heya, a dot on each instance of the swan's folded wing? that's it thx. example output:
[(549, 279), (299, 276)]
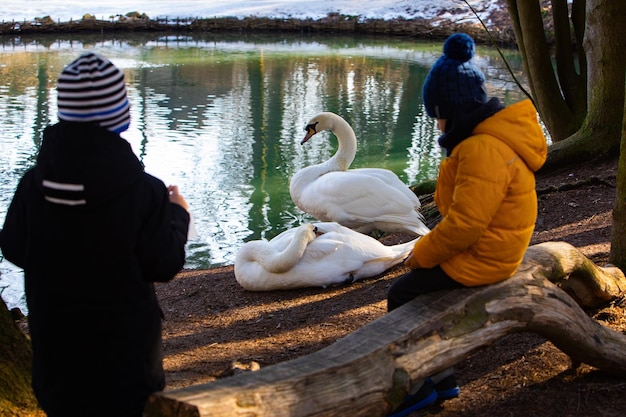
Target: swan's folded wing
[(367, 198), (392, 180), (351, 251)]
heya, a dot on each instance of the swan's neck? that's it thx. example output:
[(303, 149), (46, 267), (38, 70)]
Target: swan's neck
[(340, 161), (278, 262), (347, 145)]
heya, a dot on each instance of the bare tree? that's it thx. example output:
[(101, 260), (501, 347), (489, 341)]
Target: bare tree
[(578, 86)]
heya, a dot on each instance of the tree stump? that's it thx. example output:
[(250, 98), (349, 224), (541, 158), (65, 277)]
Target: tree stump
[(370, 371)]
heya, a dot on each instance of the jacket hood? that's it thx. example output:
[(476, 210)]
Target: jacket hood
[(516, 125), (81, 164)]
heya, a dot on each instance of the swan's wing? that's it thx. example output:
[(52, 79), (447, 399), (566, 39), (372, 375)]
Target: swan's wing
[(348, 256), (371, 248), (392, 180), (348, 248), (335, 261), (354, 197)]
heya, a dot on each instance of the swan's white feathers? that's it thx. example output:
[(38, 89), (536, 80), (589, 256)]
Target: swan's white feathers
[(279, 255), (336, 256), (363, 199), (387, 204), (392, 180)]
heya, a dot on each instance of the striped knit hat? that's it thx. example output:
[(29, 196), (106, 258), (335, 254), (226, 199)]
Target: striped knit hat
[(92, 89)]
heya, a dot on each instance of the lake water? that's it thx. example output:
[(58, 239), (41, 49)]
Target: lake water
[(222, 117)]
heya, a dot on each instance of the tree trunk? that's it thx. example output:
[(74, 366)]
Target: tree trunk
[(581, 104), (16, 395), (605, 51), (370, 371), (560, 100), (618, 232)]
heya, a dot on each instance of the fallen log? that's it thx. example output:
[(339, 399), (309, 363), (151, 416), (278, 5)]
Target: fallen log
[(369, 372)]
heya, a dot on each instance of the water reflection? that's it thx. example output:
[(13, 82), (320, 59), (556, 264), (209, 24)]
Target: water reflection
[(222, 117)]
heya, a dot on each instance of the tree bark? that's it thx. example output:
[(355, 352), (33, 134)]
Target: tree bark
[(618, 232), (370, 371)]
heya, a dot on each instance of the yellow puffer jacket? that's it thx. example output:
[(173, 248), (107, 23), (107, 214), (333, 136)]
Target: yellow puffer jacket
[(486, 196)]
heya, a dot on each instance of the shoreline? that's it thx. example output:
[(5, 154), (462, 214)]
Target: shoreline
[(335, 24)]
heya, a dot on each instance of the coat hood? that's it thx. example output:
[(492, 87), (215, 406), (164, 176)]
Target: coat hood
[(81, 164), (516, 125)]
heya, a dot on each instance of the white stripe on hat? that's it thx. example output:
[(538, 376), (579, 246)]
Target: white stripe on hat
[(92, 89)]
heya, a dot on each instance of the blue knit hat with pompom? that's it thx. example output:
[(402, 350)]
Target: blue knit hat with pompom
[(454, 84)]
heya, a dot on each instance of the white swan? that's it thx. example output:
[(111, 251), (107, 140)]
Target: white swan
[(364, 199), (314, 255)]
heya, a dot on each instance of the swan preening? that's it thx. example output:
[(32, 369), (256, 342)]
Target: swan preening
[(364, 199), (314, 255)]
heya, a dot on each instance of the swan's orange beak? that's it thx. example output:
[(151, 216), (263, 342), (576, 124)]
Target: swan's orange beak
[(310, 131)]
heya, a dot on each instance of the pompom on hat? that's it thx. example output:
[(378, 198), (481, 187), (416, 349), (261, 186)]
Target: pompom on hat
[(92, 89), (454, 84)]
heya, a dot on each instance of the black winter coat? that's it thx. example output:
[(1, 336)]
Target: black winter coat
[(92, 232)]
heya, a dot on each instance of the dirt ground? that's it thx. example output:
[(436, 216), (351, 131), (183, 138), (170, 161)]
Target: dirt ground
[(214, 328)]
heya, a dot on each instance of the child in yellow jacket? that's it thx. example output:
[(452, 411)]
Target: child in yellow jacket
[(485, 193)]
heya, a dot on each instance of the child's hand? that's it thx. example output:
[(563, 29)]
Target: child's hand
[(176, 198), (411, 262)]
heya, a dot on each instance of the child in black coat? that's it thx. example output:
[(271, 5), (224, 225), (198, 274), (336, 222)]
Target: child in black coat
[(92, 232)]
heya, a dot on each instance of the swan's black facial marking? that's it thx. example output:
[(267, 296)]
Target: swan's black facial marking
[(310, 129)]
